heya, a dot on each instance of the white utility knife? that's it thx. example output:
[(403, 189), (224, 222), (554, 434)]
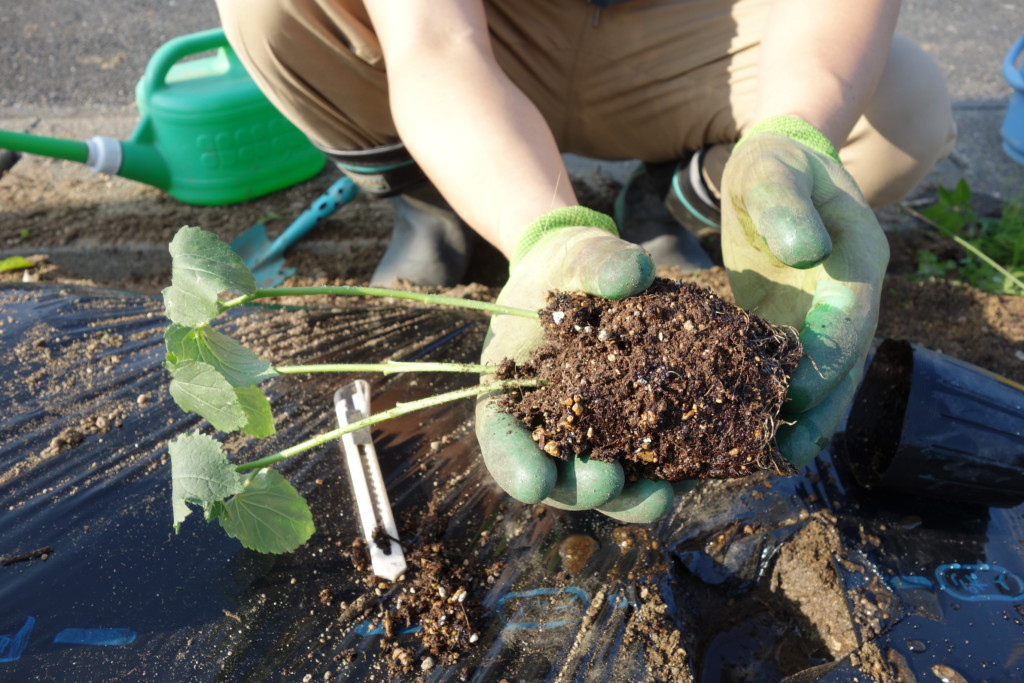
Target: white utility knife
[(352, 403)]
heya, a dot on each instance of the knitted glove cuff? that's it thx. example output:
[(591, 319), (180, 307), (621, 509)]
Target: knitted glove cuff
[(795, 129), (565, 217)]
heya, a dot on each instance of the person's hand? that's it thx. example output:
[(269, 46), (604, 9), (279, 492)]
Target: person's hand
[(803, 248), (560, 252)]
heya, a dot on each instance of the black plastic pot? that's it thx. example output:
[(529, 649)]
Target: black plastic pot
[(928, 424)]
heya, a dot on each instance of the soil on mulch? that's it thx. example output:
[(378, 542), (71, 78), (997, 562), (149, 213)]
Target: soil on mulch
[(676, 383), (440, 595), (812, 605)]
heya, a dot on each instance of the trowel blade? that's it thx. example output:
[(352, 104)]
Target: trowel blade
[(271, 273), (253, 245)]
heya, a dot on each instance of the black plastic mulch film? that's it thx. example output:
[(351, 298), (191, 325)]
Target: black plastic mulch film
[(94, 585)]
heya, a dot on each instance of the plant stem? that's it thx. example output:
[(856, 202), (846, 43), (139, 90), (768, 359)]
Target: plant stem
[(389, 368), (399, 410), (968, 246), (351, 290)]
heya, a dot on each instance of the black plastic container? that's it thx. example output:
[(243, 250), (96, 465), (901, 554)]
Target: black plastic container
[(928, 424)]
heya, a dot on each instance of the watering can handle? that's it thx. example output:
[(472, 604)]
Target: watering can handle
[(1014, 75), (174, 51)]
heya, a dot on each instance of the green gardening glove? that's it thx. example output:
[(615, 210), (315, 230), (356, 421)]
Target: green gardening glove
[(572, 249), (803, 248)]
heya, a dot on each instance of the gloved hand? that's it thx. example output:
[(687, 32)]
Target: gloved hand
[(803, 248), (559, 251)]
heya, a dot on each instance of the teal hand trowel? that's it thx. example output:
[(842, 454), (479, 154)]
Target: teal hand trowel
[(265, 258)]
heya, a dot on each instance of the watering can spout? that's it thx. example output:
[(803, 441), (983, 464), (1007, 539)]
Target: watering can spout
[(141, 162), (58, 148)]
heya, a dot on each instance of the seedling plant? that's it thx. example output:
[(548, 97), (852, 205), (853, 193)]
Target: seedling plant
[(218, 378), (674, 383)]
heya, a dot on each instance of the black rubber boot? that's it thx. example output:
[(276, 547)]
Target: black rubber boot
[(643, 219), (429, 243), (690, 197)]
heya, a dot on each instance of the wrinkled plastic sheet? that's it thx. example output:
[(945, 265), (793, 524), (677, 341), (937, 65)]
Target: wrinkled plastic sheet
[(96, 586)]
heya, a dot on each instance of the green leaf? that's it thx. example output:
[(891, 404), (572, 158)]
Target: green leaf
[(257, 411), (214, 510), (200, 474), (179, 340), (961, 194), (15, 263), (236, 363), (269, 515), (201, 388), (186, 307), (198, 388), (202, 267)]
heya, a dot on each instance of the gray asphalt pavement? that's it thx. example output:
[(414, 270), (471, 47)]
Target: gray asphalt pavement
[(68, 58), (86, 55)]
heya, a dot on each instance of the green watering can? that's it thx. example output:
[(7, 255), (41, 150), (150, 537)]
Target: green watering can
[(207, 135)]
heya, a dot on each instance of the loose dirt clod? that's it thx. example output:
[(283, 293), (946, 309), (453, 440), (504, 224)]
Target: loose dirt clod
[(676, 383)]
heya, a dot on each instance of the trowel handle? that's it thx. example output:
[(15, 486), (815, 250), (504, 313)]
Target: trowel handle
[(336, 196), (173, 51), (1013, 74)]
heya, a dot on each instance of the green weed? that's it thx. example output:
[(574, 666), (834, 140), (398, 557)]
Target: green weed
[(994, 261)]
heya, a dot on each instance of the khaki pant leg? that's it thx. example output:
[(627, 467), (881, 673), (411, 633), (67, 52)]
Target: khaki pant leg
[(643, 80), (653, 80), (906, 129), (319, 63), (647, 79)]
